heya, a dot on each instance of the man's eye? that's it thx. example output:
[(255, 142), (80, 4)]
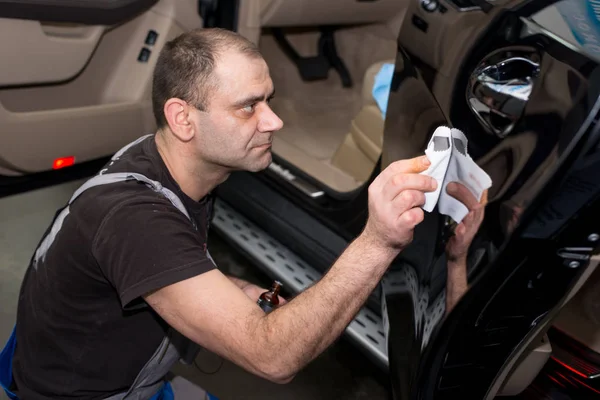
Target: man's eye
[(249, 108)]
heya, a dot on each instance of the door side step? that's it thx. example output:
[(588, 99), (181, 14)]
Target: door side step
[(366, 330)]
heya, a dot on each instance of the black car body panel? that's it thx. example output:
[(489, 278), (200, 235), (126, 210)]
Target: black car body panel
[(542, 205)]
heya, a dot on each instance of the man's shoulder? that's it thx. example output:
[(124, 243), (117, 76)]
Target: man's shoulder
[(132, 197)]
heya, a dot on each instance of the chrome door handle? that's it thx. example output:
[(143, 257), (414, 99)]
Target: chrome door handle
[(499, 89)]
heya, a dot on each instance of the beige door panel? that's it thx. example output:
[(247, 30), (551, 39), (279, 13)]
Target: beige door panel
[(184, 12), (104, 107), (253, 15), (528, 369), (249, 18), (62, 49), (329, 12), (580, 318)]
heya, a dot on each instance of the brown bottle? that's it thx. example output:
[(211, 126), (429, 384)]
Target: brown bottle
[(269, 300)]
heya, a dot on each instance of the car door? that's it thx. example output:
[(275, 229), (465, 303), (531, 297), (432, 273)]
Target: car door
[(521, 81), (76, 77)]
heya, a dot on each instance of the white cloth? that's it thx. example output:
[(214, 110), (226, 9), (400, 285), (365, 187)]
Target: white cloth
[(450, 162)]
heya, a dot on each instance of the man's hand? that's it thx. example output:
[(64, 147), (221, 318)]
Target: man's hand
[(395, 200), (251, 290), (458, 245), (254, 293)]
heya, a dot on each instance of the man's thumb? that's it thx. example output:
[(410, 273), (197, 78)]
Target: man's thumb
[(416, 164)]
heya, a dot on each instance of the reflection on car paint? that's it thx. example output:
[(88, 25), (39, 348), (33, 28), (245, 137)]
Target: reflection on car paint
[(535, 118)]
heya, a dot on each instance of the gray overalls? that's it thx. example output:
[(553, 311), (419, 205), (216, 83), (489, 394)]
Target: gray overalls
[(174, 346)]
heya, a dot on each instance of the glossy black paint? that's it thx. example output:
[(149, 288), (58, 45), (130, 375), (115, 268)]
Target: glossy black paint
[(518, 293), (543, 199)]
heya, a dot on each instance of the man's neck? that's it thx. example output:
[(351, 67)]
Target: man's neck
[(195, 177)]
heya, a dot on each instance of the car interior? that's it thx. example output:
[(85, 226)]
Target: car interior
[(323, 58), (75, 85)]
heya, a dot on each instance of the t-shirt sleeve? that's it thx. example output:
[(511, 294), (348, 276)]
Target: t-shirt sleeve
[(145, 245)]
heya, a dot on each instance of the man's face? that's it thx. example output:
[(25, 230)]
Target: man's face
[(236, 131)]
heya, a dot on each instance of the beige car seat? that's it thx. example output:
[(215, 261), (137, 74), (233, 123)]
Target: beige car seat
[(360, 150)]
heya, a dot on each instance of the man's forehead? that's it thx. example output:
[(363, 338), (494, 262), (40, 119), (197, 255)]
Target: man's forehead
[(238, 73)]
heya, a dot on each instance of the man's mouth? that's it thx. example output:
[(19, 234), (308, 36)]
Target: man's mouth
[(265, 145)]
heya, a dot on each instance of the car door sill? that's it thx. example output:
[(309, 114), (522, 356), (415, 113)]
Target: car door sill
[(366, 330), (301, 184)]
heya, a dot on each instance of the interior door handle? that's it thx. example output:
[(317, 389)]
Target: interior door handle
[(499, 89)]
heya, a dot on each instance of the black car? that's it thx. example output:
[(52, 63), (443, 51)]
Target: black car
[(360, 84)]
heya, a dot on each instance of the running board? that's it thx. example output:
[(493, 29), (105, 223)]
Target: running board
[(366, 330)]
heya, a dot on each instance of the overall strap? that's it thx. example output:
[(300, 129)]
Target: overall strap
[(174, 346), (99, 180), (102, 179)]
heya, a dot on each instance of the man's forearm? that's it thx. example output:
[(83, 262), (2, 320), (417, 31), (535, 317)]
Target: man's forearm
[(456, 283), (296, 333)]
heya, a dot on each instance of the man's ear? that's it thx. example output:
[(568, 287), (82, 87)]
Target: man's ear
[(177, 114)]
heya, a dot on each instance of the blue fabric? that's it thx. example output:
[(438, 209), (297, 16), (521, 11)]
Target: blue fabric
[(381, 86), (6, 357), (210, 397), (165, 393)]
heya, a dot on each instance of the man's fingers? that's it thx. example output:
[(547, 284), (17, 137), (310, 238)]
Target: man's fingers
[(484, 197), (462, 194), (408, 199), (402, 182), (411, 218), (414, 165)]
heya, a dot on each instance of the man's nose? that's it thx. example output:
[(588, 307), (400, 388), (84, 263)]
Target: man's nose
[(269, 121)]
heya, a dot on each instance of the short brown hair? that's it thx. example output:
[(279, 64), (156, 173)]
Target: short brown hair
[(185, 65)]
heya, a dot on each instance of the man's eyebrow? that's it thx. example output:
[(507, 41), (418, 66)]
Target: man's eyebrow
[(254, 99)]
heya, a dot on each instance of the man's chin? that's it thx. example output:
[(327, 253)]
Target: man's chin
[(261, 164)]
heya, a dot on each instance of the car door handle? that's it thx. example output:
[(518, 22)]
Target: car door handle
[(499, 89)]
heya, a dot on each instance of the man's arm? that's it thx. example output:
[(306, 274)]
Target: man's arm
[(238, 282), (211, 311)]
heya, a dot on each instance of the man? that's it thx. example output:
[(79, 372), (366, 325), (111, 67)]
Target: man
[(124, 268)]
